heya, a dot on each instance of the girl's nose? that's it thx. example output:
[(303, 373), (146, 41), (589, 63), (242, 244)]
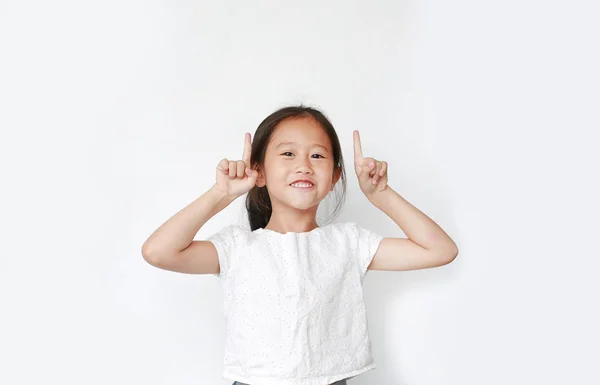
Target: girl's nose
[(303, 166)]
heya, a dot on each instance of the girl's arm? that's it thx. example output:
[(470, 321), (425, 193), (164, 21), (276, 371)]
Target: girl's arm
[(171, 246), (427, 244), (177, 233), (419, 228)]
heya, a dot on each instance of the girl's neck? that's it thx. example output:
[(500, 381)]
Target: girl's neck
[(297, 223)]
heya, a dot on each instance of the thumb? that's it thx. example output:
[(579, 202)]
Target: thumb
[(365, 170), (252, 174)]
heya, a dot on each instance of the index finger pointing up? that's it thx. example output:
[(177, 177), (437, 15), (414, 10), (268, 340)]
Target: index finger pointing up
[(357, 146), (247, 150)]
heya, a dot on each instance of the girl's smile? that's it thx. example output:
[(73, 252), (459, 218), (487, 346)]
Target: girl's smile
[(303, 184)]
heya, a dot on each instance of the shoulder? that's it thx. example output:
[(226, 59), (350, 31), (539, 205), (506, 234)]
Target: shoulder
[(347, 232), (230, 234), (355, 234), (233, 229), (349, 228)]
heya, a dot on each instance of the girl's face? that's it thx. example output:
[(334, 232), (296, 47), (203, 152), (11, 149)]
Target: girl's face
[(299, 150)]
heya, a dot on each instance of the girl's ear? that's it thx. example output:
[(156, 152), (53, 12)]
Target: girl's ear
[(336, 176), (260, 179)]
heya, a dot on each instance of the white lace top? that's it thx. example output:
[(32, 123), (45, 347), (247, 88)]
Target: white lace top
[(294, 303)]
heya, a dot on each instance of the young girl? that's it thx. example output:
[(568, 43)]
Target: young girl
[(293, 289)]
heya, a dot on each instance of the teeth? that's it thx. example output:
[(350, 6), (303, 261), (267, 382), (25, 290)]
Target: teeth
[(301, 184)]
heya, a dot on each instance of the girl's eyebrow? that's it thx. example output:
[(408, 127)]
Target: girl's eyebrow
[(294, 143)]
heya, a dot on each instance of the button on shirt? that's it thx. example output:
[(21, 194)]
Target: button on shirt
[(294, 303)]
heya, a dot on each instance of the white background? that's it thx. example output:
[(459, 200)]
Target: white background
[(114, 115)]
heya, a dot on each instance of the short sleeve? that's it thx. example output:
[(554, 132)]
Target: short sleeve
[(227, 241), (367, 243)]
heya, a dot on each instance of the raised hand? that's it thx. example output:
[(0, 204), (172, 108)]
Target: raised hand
[(235, 177), (371, 173)]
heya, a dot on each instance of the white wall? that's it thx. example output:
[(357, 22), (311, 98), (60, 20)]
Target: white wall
[(114, 115)]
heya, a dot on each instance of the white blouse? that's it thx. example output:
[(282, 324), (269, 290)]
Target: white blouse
[(294, 303)]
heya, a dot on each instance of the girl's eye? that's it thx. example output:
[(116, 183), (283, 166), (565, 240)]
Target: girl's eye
[(319, 155)]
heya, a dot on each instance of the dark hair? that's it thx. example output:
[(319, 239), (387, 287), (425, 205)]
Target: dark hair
[(258, 202)]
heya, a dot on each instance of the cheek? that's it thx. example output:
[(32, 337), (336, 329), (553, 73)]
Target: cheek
[(277, 171), (326, 174)]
